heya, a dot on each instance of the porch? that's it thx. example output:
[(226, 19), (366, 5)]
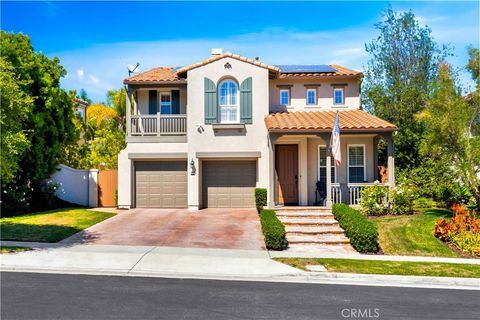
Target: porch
[(302, 171)]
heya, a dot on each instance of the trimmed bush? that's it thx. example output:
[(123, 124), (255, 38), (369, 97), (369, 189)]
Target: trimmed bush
[(273, 231), (362, 233), (260, 198)]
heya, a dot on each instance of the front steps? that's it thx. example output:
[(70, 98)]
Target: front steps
[(312, 227)]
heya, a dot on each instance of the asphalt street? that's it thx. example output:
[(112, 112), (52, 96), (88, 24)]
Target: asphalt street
[(58, 296)]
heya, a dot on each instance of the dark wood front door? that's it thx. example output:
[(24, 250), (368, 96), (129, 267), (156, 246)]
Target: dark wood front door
[(286, 166)]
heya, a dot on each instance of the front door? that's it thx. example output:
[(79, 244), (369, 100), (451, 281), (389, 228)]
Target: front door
[(286, 166)]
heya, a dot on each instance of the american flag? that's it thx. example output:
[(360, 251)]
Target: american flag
[(337, 155)]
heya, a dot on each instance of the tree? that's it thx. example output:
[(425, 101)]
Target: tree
[(402, 65), (84, 96), (106, 146), (117, 100), (99, 114), (14, 104), (448, 132), (48, 126)]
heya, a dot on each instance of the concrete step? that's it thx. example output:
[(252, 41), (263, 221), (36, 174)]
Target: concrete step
[(311, 208), (309, 214), (327, 239), (312, 230), (308, 221)]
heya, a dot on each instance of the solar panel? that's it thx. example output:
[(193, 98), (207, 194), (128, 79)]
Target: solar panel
[(319, 68)]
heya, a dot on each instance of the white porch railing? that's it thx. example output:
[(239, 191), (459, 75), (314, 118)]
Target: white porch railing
[(158, 125), (354, 191)]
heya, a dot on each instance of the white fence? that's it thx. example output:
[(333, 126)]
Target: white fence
[(77, 186)]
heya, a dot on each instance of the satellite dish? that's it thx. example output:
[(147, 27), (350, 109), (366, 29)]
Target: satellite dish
[(133, 69)]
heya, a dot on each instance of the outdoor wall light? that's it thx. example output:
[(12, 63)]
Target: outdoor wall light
[(192, 167)]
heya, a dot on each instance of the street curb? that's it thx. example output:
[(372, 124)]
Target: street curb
[(306, 278)]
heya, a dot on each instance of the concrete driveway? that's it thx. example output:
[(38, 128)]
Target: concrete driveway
[(207, 228)]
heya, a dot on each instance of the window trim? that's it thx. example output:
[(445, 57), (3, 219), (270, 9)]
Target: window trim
[(332, 164), (343, 96), (219, 111), (280, 96), (357, 166), (315, 99), (160, 93)]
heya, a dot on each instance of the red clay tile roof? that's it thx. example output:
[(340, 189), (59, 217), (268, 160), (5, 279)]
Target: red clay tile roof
[(341, 71), (350, 120), (227, 55), (156, 75)]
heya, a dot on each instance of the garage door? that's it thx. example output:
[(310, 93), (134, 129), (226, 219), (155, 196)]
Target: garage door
[(161, 184), (229, 184)]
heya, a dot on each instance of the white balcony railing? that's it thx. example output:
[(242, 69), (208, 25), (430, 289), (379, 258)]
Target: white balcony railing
[(354, 190), (158, 125)]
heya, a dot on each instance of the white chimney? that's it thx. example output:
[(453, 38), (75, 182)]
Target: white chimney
[(217, 51)]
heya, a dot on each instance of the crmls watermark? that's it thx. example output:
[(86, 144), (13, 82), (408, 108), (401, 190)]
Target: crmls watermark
[(360, 313)]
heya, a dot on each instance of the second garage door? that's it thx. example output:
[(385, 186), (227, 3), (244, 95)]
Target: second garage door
[(229, 184), (161, 184)]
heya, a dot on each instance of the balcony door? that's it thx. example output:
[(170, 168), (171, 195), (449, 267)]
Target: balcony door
[(166, 103)]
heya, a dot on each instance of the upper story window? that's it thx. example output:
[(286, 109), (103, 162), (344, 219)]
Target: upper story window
[(228, 102), (339, 96), (284, 97), (311, 96)]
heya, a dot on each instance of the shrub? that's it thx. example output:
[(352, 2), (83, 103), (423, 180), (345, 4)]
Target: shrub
[(273, 231), (422, 203), (374, 200), (260, 198), (362, 233), (463, 230), (401, 199)]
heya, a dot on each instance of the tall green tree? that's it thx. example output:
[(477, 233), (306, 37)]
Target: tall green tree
[(116, 98), (13, 136), (403, 63), (448, 137), (48, 125)]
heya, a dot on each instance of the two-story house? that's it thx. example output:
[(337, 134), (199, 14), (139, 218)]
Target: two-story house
[(205, 135)]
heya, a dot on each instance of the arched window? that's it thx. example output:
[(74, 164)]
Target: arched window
[(228, 101)]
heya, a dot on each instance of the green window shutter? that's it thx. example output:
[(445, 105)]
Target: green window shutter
[(175, 101), (246, 101), (210, 102), (152, 102)]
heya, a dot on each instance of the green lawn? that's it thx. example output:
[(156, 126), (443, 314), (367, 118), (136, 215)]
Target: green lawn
[(388, 267), (13, 249), (49, 226), (412, 235)]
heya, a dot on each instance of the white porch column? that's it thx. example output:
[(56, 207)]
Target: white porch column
[(326, 137), (128, 111), (391, 160), (272, 137)]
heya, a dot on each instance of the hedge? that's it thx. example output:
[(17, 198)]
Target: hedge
[(260, 199), (362, 233), (273, 231)]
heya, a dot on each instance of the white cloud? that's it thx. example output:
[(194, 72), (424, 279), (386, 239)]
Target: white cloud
[(80, 74), (94, 79)]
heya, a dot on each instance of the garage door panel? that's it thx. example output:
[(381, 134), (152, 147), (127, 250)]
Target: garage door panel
[(161, 184), (229, 184)]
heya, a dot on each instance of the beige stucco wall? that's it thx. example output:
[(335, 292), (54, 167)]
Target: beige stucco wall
[(201, 137), (142, 98), (298, 94), (125, 166)]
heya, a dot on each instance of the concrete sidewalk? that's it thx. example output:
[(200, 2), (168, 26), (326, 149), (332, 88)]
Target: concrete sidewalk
[(199, 263)]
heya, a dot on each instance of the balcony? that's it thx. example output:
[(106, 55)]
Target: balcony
[(157, 128)]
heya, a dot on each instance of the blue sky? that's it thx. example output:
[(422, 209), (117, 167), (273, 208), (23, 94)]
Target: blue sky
[(96, 40)]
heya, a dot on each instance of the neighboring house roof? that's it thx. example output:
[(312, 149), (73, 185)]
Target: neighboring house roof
[(228, 55), (350, 120), (156, 75), (330, 70), (81, 102)]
